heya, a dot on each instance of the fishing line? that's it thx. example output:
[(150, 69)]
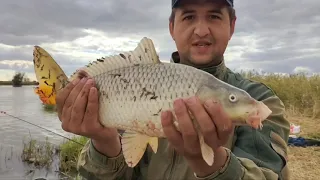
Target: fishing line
[(5, 113)]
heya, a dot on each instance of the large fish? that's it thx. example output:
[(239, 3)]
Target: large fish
[(135, 87)]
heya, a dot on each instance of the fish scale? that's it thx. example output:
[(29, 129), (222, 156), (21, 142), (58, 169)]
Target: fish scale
[(127, 99), (134, 87)]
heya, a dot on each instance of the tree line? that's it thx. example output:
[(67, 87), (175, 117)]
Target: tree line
[(19, 79)]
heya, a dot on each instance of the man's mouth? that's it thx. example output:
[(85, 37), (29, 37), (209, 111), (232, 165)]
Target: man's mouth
[(201, 43)]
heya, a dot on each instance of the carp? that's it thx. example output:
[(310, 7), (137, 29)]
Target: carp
[(134, 87)]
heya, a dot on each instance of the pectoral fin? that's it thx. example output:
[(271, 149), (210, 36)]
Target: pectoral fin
[(153, 142), (134, 145), (206, 150)]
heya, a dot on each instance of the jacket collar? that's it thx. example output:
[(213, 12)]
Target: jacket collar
[(218, 71)]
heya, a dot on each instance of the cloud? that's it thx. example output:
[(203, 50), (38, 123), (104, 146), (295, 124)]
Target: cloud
[(273, 36), (301, 69)]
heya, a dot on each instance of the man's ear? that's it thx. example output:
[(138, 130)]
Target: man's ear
[(171, 26)]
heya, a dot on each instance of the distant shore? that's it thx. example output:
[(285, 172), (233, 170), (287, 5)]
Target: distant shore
[(9, 83)]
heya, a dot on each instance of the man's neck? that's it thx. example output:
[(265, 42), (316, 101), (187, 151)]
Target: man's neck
[(216, 68)]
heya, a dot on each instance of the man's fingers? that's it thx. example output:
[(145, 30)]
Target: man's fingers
[(80, 104), (188, 131), (219, 118), (91, 116), (173, 136), (183, 118), (63, 95), (66, 111), (206, 125)]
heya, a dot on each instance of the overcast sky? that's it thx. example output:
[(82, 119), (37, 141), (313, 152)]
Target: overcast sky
[(280, 36)]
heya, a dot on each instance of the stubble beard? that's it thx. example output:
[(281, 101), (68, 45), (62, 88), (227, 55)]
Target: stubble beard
[(214, 61)]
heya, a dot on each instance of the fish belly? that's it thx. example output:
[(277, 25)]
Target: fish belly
[(133, 98)]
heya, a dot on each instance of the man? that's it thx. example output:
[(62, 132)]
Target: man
[(201, 31)]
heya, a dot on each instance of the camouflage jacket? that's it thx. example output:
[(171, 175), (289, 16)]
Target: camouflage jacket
[(253, 154)]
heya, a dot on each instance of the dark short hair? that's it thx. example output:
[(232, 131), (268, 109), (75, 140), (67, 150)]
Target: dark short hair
[(231, 12)]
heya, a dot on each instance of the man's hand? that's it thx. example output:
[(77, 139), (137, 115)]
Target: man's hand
[(77, 106), (213, 124)]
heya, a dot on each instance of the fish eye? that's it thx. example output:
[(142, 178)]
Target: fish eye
[(232, 98)]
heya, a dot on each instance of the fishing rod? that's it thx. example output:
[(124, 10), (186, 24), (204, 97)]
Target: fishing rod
[(5, 113)]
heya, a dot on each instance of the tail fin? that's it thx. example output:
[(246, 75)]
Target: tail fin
[(45, 94), (48, 73)]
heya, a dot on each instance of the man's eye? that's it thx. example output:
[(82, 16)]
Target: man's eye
[(214, 17), (188, 17)]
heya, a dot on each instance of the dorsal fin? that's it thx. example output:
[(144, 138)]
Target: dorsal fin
[(144, 53)]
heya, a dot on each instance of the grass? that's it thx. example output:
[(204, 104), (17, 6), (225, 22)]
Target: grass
[(300, 93), (69, 154), (304, 162), (42, 154), (301, 96), (39, 154)]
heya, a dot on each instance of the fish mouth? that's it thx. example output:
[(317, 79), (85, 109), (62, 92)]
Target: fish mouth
[(259, 109), (263, 111), (260, 113)]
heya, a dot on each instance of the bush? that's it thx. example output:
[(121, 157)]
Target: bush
[(300, 93)]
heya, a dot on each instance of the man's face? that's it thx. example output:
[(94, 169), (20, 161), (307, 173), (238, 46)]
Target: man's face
[(201, 31)]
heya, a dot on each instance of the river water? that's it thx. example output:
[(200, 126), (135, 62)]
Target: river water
[(23, 103)]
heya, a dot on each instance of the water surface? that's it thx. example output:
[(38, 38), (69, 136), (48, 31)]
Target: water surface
[(23, 103)]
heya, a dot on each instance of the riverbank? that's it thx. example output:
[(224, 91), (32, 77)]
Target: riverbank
[(42, 155), (9, 83)]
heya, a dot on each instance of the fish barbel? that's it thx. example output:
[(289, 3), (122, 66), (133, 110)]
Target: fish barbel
[(135, 87)]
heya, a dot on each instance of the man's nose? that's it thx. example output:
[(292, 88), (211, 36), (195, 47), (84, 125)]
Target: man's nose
[(201, 29)]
